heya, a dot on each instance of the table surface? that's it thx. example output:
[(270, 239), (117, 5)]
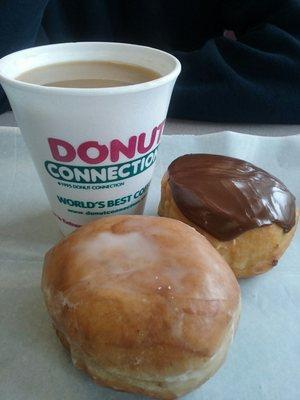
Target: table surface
[(181, 127), (263, 362)]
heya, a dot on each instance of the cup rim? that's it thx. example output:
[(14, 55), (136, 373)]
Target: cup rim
[(172, 75)]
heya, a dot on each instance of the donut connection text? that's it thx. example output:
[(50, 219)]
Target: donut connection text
[(94, 155)]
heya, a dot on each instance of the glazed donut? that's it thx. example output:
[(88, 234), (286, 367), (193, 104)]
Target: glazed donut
[(144, 304)]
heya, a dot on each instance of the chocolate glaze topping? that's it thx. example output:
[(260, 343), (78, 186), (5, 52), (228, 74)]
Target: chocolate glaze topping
[(226, 196)]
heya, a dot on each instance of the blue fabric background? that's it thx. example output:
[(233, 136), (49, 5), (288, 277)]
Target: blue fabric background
[(255, 78)]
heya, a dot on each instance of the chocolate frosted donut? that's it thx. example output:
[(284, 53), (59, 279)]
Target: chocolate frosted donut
[(226, 196), (246, 213)]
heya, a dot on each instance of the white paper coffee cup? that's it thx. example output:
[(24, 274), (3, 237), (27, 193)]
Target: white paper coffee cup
[(94, 149)]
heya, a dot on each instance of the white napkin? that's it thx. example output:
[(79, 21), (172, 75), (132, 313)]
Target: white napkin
[(264, 359)]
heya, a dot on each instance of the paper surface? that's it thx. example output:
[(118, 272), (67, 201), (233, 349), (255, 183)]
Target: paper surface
[(264, 360)]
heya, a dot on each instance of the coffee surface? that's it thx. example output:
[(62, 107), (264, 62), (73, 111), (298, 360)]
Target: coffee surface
[(88, 83), (88, 74), (226, 196)]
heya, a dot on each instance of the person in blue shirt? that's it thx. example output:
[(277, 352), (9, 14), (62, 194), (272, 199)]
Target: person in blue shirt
[(240, 59)]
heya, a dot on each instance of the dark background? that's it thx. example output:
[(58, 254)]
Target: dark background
[(251, 75)]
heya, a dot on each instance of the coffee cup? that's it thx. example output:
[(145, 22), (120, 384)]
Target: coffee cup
[(94, 148)]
